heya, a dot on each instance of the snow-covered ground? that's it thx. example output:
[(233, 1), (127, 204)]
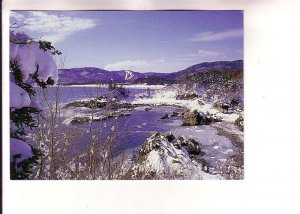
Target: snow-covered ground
[(167, 96)]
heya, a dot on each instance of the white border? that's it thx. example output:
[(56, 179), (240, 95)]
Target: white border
[(272, 143)]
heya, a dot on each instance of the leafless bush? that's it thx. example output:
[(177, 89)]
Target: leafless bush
[(69, 152)]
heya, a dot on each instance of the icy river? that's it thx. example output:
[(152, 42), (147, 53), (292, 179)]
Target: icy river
[(133, 130)]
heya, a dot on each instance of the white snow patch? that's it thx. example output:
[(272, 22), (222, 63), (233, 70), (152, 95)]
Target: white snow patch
[(128, 75)]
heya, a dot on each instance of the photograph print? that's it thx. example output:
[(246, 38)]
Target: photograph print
[(126, 95)]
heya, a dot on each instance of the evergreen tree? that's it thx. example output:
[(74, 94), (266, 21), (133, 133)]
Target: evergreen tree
[(22, 119)]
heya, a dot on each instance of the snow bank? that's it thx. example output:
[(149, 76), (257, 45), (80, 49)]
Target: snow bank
[(19, 147)]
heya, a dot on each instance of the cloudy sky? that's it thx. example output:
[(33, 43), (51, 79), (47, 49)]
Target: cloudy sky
[(144, 41)]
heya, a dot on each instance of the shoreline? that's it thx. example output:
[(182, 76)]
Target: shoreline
[(139, 86)]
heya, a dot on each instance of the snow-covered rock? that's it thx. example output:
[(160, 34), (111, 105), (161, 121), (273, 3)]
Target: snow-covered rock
[(164, 157)]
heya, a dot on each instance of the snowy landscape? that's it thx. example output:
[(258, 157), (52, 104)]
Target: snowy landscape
[(114, 122)]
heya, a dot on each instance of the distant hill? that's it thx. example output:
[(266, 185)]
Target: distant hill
[(207, 66), (91, 75)]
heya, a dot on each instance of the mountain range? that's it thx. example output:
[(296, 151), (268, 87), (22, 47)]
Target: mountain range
[(91, 75)]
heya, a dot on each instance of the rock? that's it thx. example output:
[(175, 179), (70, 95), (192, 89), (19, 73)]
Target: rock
[(194, 118), (88, 104), (99, 117), (201, 103), (222, 106), (203, 163), (153, 143), (240, 123), (234, 102), (111, 114), (174, 114), (212, 118), (80, 120), (190, 118), (170, 137), (94, 103), (165, 116), (158, 158), (191, 146), (147, 109), (117, 105), (186, 96)]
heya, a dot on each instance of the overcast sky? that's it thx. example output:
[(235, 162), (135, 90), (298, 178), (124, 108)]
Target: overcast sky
[(144, 41)]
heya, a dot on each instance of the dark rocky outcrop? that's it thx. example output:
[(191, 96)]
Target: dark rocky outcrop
[(87, 103), (170, 137), (194, 118), (191, 146), (163, 156), (222, 106), (118, 105), (174, 114), (164, 116), (80, 120), (147, 109), (186, 96), (201, 103), (99, 117), (240, 123), (94, 103)]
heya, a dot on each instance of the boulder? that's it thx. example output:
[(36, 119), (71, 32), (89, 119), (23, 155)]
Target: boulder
[(159, 158), (174, 114), (222, 106), (170, 137), (164, 116), (191, 146), (201, 103), (88, 104), (234, 102), (80, 120), (194, 118), (186, 96), (240, 123)]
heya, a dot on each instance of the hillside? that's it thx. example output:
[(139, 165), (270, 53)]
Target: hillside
[(90, 75), (206, 67)]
